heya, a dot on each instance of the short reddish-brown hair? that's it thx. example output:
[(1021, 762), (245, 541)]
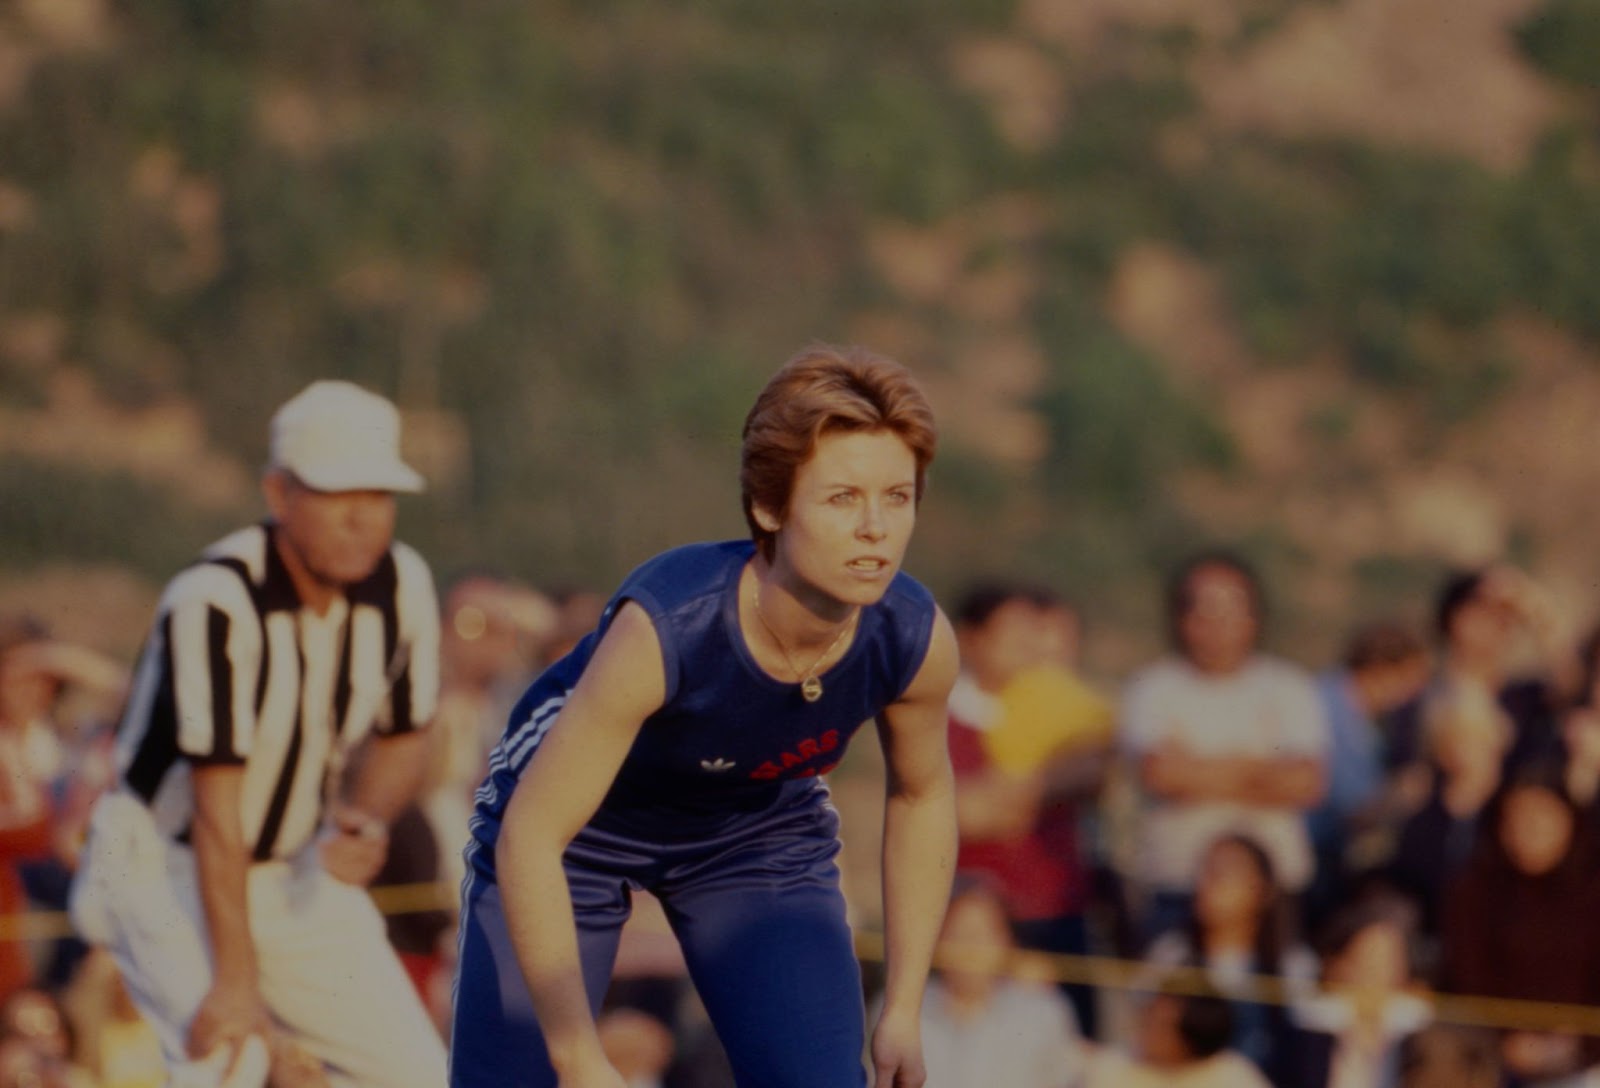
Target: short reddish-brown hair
[(822, 390)]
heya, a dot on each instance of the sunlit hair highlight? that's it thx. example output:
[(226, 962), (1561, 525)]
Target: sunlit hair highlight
[(826, 389)]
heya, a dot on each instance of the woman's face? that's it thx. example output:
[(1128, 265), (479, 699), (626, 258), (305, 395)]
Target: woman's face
[(849, 521), (1375, 959), (1535, 830), (978, 942), (1231, 887)]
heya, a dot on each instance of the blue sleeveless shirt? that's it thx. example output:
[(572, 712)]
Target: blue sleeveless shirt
[(729, 738)]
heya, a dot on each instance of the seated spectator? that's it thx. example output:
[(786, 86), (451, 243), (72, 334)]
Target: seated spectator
[(982, 1028), (1028, 740), (111, 1040), (491, 632), (58, 701), (1350, 1032), (1385, 665), (22, 1066), (1224, 739), (34, 1017), (1466, 737), (1242, 927), (1481, 620), (492, 635), (27, 764), (1520, 921), (1182, 1042)]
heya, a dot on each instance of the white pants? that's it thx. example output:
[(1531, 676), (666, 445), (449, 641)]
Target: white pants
[(328, 974)]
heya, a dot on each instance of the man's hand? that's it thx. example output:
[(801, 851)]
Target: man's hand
[(897, 1053), (227, 1017), (354, 846), (294, 1067)]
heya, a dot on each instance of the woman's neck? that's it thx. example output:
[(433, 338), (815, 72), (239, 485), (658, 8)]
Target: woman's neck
[(1464, 793), (803, 618), (1229, 937)]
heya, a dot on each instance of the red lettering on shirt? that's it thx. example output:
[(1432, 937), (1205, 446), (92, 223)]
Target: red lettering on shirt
[(808, 749)]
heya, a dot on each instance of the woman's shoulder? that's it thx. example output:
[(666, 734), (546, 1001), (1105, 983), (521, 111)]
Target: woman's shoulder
[(907, 601), (685, 573), (901, 628), (708, 555)]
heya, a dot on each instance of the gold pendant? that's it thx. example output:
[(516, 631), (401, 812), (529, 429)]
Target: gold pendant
[(811, 689)]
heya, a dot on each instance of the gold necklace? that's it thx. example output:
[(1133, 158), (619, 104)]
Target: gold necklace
[(810, 682)]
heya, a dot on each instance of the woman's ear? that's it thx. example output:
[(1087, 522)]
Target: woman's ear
[(765, 518)]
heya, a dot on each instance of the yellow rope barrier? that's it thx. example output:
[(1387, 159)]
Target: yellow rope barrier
[(1103, 972)]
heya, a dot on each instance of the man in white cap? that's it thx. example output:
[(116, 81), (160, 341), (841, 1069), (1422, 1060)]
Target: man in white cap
[(227, 871)]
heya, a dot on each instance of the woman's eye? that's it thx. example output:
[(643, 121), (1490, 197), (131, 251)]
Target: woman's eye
[(899, 498), (840, 498)]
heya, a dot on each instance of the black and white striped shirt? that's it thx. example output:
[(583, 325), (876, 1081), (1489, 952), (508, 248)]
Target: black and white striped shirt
[(235, 671)]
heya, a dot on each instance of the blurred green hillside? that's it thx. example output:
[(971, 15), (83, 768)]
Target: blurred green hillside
[(1317, 279)]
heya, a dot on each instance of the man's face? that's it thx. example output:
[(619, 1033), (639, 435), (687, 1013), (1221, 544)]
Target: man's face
[(338, 537), (1003, 645), (1218, 627), (26, 691)]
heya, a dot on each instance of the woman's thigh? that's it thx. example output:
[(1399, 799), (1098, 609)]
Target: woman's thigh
[(771, 955)]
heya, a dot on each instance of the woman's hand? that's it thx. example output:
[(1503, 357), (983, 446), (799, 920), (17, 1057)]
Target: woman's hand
[(591, 1071), (897, 1053)]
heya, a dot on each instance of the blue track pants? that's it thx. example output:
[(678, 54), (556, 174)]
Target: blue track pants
[(759, 915)]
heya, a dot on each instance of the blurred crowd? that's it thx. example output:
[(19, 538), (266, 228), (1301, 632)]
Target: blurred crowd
[(1227, 869)]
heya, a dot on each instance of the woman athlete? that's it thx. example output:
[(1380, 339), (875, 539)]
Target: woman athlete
[(678, 749)]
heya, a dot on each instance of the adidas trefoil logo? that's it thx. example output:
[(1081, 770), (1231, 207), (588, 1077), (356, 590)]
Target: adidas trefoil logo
[(716, 765)]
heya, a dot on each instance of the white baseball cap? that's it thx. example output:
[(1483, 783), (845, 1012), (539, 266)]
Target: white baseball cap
[(337, 436)]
